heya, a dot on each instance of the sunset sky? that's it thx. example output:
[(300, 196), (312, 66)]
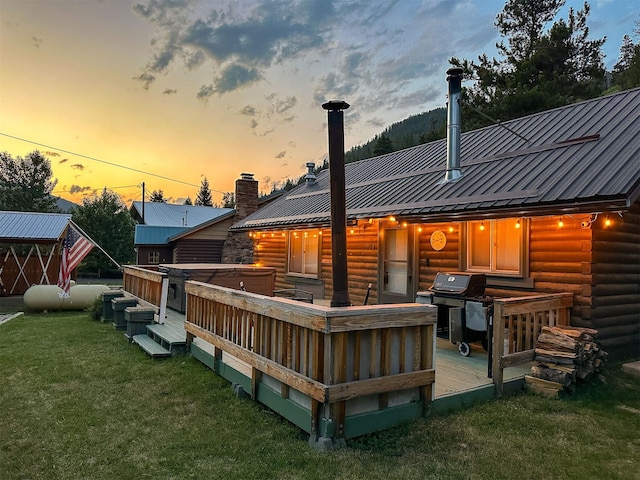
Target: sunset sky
[(167, 92)]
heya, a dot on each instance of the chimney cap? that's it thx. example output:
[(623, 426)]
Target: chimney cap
[(335, 105), (246, 176), (310, 177), (455, 72)]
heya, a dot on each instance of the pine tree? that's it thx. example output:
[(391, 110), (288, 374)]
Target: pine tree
[(539, 69), (204, 194), (383, 145), (626, 72), (157, 196)]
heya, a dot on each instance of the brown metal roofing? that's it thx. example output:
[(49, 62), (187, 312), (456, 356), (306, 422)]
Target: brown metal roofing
[(579, 158), (32, 227)]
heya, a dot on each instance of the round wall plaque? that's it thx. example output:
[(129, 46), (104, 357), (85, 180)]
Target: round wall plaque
[(438, 240)]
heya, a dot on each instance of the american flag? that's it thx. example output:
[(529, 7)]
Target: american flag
[(74, 248)]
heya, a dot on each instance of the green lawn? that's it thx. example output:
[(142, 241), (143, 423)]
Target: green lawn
[(79, 402)]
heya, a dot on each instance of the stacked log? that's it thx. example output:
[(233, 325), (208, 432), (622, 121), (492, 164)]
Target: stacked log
[(564, 356)]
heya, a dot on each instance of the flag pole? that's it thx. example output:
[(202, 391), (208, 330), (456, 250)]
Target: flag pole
[(92, 241)]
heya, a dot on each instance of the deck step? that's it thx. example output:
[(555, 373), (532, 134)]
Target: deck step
[(171, 338), (150, 346)]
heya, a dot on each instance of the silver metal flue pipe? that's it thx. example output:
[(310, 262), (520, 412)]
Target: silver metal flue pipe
[(454, 120)]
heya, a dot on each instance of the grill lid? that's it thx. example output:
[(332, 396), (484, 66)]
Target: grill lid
[(470, 284)]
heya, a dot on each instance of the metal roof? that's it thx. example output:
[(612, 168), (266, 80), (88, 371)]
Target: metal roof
[(579, 158), (170, 215), (32, 227), (155, 235)]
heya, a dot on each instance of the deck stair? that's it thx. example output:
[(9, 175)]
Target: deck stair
[(162, 340)]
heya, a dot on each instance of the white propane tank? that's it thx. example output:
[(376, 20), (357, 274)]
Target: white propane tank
[(47, 297)]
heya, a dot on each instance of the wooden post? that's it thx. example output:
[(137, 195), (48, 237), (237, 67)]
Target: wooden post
[(498, 347)]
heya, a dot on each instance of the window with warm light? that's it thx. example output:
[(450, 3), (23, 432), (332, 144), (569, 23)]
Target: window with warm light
[(497, 246), (304, 247)]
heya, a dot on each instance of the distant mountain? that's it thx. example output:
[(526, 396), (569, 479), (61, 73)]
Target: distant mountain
[(65, 206), (415, 130)]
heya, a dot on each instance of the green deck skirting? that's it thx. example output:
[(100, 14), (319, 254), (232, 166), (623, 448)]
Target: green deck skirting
[(390, 417), (355, 425), (203, 356)]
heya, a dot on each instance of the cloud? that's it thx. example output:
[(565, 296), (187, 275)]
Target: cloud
[(281, 154), (37, 41), (249, 111), (234, 77), (376, 122), (64, 160), (241, 39), (170, 91), (78, 166), (78, 189), (288, 103), (146, 79), (205, 92)]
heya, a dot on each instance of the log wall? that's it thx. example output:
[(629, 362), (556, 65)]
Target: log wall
[(599, 266), (615, 287), (432, 261)]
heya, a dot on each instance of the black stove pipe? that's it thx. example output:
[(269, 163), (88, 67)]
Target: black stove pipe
[(335, 116)]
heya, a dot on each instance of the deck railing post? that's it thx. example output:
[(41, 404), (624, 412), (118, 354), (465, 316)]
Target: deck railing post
[(498, 346), (164, 292)]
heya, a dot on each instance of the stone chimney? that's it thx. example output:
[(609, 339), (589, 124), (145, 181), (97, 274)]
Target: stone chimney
[(246, 196), (238, 247)]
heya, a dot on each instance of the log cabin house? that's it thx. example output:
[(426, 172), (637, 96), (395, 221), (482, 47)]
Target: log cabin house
[(545, 203)]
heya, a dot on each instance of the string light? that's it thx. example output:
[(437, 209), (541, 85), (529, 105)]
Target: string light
[(482, 225), (450, 229), (607, 221), (560, 223), (518, 224)]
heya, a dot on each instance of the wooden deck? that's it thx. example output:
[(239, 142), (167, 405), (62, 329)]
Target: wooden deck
[(455, 375)]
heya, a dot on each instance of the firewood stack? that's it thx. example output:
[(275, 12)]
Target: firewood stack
[(564, 356)]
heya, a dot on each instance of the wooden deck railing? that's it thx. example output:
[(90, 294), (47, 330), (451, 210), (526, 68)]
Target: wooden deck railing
[(517, 323), (150, 287), (331, 355)]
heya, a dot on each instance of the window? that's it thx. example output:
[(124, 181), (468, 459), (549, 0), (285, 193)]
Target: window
[(303, 252), (154, 257), (497, 246)]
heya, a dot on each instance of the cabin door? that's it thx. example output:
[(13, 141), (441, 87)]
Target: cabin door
[(397, 279)]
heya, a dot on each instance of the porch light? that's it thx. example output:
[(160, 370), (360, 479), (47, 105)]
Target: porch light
[(450, 229), (607, 221), (392, 219), (352, 231), (482, 225), (404, 224), (560, 223), (518, 224), (420, 229)]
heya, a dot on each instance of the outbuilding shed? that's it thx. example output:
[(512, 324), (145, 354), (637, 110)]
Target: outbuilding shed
[(30, 249)]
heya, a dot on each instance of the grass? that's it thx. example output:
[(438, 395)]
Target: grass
[(77, 401)]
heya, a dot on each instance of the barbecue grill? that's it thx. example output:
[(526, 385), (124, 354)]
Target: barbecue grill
[(463, 308)]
